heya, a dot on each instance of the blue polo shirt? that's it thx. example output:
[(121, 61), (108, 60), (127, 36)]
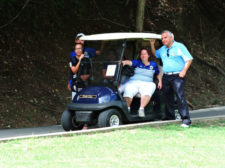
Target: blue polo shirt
[(144, 72), (176, 58), (88, 53)]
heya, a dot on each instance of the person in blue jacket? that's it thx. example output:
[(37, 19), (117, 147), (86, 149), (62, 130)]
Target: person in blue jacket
[(80, 69), (176, 61), (88, 52)]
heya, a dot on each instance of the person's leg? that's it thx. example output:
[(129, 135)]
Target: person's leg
[(146, 89), (85, 127), (128, 101), (179, 85), (169, 96), (122, 88), (129, 92), (144, 101), (73, 94)]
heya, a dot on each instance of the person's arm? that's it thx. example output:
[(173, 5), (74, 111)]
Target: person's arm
[(75, 68), (127, 62), (152, 45), (104, 73), (98, 52), (187, 58), (160, 81), (68, 86), (87, 70), (186, 67)]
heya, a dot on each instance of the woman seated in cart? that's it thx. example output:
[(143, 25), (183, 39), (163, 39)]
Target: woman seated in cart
[(142, 80)]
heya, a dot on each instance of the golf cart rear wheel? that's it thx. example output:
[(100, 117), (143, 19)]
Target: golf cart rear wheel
[(109, 118), (68, 121)]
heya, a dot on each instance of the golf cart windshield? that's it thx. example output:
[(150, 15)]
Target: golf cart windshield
[(105, 67)]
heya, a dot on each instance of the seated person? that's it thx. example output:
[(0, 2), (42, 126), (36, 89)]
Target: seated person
[(112, 58), (142, 80), (80, 68)]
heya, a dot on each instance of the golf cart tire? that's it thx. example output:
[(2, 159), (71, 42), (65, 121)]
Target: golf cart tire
[(68, 123), (109, 118)]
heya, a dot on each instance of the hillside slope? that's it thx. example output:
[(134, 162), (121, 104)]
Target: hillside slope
[(34, 50)]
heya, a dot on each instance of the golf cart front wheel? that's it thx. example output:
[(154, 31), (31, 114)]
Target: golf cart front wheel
[(68, 121), (109, 118)]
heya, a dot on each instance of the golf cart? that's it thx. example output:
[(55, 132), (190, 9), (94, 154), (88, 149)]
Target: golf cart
[(100, 103)]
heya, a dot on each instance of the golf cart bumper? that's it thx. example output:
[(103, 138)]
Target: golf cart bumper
[(86, 112), (93, 107)]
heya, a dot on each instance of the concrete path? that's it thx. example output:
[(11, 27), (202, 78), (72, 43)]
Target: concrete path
[(22, 132)]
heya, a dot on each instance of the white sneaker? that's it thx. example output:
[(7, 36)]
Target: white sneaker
[(141, 112), (185, 125)]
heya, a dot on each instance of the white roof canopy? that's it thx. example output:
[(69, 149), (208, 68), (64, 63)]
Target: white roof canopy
[(120, 36)]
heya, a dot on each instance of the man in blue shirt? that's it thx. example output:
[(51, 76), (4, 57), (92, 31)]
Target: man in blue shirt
[(176, 61)]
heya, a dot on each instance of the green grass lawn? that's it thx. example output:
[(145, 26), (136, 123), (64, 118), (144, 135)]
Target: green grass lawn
[(202, 145)]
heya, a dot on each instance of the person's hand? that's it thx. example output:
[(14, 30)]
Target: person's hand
[(124, 62), (84, 77), (160, 85), (182, 74), (68, 86), (81, 57), (152, 41)]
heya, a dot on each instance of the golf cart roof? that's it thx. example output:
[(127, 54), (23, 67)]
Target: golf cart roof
[(120, 36)]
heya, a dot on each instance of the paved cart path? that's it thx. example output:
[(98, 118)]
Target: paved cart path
[(10, 133)]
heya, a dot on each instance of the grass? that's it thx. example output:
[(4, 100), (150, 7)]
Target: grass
[(202, 145)]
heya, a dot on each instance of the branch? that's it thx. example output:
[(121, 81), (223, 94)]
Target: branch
[(190, 104), (212, 66), (119, 24), (108, 20), (18, 14)]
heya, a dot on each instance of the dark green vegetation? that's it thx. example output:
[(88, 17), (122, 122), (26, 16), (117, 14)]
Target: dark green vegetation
[(170, 146), (36, 38)]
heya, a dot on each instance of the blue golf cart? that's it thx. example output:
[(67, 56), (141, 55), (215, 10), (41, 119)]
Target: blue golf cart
[(100, 103)]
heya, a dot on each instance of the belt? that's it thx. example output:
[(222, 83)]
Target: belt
[(171, 73)]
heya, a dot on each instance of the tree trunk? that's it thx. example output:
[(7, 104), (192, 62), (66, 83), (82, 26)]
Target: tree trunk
[(140, 15)]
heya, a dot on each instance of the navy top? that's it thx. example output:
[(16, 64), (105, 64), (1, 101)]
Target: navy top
[(84, 69), (144, 72)]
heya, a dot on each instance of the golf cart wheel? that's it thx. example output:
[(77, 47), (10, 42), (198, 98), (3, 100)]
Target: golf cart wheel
[(109, 118), (68, 121)]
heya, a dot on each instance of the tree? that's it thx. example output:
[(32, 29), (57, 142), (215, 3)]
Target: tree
[(140, 15)]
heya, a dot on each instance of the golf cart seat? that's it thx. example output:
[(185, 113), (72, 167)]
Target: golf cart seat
[(138, 95)]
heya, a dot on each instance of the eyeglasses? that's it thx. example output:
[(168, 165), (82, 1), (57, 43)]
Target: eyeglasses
[(78, 48), (168, 52)]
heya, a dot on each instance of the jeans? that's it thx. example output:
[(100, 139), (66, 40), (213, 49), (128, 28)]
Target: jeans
[(174, 84)]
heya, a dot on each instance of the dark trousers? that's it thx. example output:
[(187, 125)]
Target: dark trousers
[(174, 84)]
